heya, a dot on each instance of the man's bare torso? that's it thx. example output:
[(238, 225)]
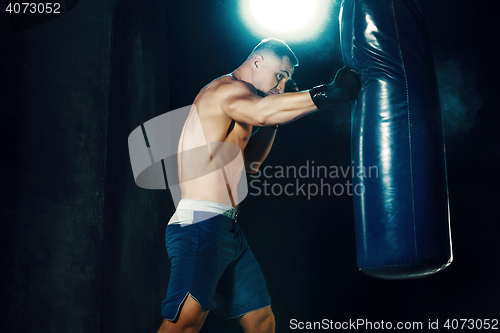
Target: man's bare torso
[(207, 127)]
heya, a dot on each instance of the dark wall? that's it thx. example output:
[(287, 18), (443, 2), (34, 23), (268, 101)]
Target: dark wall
[(77, 233), (135, 272)]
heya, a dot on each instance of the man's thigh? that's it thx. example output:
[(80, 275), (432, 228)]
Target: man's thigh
[(189, 320), (242, 288)]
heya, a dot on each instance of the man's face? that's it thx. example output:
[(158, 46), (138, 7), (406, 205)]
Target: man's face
[(272, 73)]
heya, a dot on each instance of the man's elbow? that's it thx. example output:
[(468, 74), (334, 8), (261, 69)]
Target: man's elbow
[(252, 168), (250, 171)]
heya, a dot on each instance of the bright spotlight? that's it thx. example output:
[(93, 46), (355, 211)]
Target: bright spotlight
[(286, 19)]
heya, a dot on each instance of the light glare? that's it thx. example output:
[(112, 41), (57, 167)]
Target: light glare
[(286, 19)]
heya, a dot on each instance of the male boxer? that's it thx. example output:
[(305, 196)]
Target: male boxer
[(212, 267)]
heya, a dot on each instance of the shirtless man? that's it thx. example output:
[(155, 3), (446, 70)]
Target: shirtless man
[(212, 267)]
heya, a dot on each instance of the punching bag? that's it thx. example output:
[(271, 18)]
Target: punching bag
[(401, 197)]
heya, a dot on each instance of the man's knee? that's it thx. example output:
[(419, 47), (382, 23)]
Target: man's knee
[(259, 321), (268, 323), (171, 327)]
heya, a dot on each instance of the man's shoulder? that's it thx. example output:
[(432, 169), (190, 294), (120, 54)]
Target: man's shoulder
[(228, 85)]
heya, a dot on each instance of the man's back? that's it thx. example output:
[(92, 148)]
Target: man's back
[(210, 129)]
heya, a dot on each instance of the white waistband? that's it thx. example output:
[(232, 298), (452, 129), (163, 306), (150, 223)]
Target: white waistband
[(203, 205)]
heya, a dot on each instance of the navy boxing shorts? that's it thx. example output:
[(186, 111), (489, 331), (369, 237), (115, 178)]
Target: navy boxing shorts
[(211, 261)]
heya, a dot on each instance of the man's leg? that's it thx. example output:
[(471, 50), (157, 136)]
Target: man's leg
[(258, 321), (189, 320)]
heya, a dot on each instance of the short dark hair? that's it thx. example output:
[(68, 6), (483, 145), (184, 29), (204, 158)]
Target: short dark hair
[(278, 48)]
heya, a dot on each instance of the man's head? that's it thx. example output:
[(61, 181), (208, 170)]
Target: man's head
[(272, 63)]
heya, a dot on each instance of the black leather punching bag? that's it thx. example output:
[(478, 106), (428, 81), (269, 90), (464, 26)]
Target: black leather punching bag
[(401, 202)]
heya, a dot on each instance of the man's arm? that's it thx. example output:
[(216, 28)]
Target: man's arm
[(258, 148), (241, 103), (262, 140)]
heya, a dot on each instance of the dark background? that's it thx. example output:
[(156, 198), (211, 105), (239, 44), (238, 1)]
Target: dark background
[(82, 246)]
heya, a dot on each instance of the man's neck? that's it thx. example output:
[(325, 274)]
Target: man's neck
[(243, 73)]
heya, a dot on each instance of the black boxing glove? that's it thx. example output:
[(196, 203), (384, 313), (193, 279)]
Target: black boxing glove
[(344, 88)]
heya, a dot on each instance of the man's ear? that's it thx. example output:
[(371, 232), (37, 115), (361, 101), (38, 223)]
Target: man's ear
[(257, 61)]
